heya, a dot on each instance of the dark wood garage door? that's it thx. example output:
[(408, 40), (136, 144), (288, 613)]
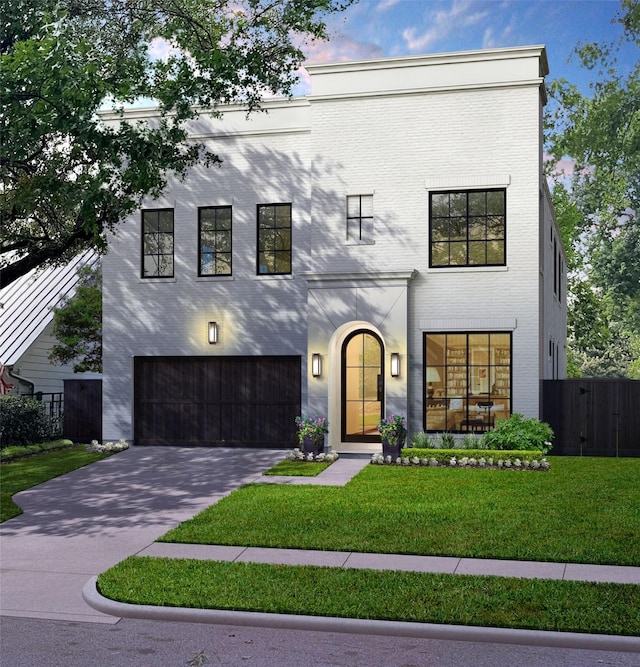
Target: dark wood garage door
[(224, 401)]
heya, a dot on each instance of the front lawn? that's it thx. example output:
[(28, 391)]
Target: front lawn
[(289, 468), (585, 510), (568, 606), (23, 474)]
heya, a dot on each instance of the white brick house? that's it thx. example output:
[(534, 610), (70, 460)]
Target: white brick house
[(397, 214)]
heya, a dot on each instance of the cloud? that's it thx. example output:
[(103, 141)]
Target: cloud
[(341, 49), (383, 5), (491, 41), (442, 23)]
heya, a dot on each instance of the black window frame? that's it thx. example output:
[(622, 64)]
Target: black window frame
[(468, 237), (356, 220), (158, 254), (489, 396), (283, 251), (215, 253)]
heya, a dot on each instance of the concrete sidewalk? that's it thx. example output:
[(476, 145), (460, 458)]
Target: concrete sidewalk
[(80, 524)]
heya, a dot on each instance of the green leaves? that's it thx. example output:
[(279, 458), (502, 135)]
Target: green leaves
[(68, 178)]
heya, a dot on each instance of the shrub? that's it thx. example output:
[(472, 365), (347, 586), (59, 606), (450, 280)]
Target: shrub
[(446, 441), (23, 421), (516, 432), (421, 439)]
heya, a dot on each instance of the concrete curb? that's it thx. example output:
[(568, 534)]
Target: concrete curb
[(358, 626)]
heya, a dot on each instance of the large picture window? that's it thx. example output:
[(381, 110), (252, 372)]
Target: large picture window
[(468, 228), (467, 381), (214, 238), (157, 243), (274, 238)]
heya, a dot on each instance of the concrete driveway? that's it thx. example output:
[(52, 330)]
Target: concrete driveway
[(78, 525)]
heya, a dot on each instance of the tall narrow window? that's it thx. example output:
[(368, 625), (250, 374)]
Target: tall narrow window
[(214, 238), (360, 219), (362, 386), (157, 243), (467, 380), (274, 238), (468, 228)]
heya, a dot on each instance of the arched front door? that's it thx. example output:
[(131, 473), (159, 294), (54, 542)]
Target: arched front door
[(362, 386)]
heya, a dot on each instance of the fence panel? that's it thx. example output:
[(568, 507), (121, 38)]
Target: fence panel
[(83, 410), (593, 416)]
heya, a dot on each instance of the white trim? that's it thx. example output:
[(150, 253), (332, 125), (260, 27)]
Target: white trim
[(484, 324), (369, 279), (467, 182)]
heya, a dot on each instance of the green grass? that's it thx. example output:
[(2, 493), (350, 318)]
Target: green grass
[(13, 452), (19, 475), (566, 606), (585, 510), (298, 468)]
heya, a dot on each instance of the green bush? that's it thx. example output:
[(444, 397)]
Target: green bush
[(519, 433), (421, 439), (23, 421)]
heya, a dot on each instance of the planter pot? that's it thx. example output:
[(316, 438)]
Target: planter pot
[(392, 448), (312, 445)]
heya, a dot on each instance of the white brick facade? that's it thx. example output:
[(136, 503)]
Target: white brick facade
[(396, 129)]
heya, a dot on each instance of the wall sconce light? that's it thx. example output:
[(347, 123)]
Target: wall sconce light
[(395, 364), (213, 332), (316, 365)]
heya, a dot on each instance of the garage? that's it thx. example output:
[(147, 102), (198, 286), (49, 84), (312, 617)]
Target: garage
[(217, 401)]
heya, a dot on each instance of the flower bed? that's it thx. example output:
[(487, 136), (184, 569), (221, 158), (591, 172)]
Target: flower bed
[(108, 447), (467, 458), (298, 455)]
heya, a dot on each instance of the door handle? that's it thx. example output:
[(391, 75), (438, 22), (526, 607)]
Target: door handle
[(380, 388)]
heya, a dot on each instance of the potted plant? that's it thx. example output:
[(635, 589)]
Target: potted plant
[(311, 432), (393, 432)]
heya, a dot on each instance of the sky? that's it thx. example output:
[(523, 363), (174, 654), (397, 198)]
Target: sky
[(383, 28)]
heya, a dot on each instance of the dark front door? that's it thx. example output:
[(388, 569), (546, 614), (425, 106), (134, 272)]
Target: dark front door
[(362, 387), (224, 401)]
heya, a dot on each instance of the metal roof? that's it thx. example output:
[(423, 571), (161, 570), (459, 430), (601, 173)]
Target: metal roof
[(26, 303)]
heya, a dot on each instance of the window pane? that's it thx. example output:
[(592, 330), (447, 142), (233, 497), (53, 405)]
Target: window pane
[(440, 205), (282, 239), (223, 242), (495, 202), (165, 265), (166, 221), (283, 216), (266, 216), (266, 239), (458, 253), (371, 384), (150, 265), (458, 203), (477, 253), (495, 227), (495, 252), (355, 383), (477, 203), (440, 254), (458, 229), (477, 228), (165, 243), (149, 221), (224, 218), (353, 207), (366, 206), (440, 229), (223, 264), (283, 262), (367, 228), (265, 262)]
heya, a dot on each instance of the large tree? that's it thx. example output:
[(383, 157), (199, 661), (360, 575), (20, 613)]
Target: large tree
[(66, 178), (598, 211)]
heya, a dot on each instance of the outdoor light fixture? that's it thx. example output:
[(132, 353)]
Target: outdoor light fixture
[(316, 364), (432, 376), (395, 364), (213, 332)]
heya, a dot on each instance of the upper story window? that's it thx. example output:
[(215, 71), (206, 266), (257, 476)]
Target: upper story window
[(274, 238), (214, 240), (157, 243), (468, 228), (360, 219)]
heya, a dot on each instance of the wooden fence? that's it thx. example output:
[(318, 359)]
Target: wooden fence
[(83, 410), (593, 416)]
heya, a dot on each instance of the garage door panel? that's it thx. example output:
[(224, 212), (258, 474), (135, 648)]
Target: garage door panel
[(245, 401)]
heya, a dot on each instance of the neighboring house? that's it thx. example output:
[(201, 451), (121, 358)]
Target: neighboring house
[(26, 328), (384, 245)]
